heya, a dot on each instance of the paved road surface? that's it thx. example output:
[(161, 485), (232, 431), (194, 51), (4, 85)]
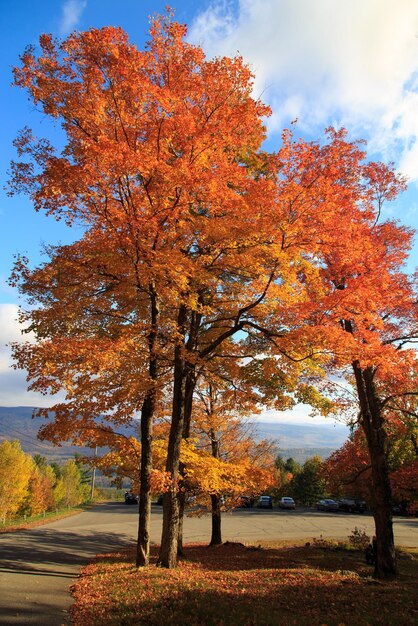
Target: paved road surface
[(38, 566)]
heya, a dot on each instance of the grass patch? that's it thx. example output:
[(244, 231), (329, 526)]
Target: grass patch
[(237, 585), (37, 520)]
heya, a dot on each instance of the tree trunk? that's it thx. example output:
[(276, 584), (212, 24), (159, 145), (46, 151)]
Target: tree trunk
[(182, 505), (169, 537), (373, 425), (216, 537), (385, 563), (147, 420), (147, 415), (190, 384)]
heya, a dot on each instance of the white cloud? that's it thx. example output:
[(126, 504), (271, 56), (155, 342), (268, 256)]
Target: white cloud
[(301, 414), (355, 63), (9, 332), (71, 14), (13, 385)]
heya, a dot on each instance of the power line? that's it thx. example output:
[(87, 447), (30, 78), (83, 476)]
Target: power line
[(24, 436), (27, 439)]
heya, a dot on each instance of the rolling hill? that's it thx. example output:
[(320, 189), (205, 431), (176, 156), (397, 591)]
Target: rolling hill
[(299, 441)]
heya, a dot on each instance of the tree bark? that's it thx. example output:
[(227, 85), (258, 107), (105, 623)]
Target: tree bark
[(147, 416), (171, 509), (147, 421), (182, 506), (169, 538), (372, 423), (190, 384), (216, 537)]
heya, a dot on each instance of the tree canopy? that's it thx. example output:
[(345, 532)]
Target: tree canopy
[(199, 248)]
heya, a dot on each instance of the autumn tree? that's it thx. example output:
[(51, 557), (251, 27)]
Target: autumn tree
[(175, 226), (364, 306), (241, 464), (184, 244), (356, 306), (220, 421), (40, 495), (192, 236), (70, 487), (383, 367), (121, 459), (16, 469), (348, 470)]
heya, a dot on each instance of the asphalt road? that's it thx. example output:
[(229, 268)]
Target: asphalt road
[(38, 566)]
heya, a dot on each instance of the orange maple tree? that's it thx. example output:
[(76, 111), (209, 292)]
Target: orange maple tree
[(355, 311), (365, 311), (348, 470), (220, 422), (192, 235), (155, 171)]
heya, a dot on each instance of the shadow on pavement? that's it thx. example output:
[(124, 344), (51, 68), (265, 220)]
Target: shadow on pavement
[(28, 570), (42, 614), (37, 567), (49, 547)]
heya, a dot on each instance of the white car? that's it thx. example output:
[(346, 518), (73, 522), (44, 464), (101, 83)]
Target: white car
[(287, 503), (265, 502)]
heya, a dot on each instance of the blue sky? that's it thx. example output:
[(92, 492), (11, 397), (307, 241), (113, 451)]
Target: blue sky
[(324, 62)]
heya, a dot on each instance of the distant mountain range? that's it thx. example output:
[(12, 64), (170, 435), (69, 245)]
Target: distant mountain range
[(17, 423), (304, 435), (303, 441), (299, 441)]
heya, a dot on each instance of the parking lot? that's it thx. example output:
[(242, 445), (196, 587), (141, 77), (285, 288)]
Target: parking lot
[(256, 525)]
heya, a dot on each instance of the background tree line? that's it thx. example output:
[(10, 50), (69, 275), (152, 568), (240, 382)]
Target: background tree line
[(29, 485), (347, 471)]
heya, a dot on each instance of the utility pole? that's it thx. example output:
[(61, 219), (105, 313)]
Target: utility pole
[(93, 477)]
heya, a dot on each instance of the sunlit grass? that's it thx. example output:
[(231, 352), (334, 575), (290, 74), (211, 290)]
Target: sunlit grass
[(37, 520), (243, 585)]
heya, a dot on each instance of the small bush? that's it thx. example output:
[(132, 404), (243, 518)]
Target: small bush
[(359, 539)]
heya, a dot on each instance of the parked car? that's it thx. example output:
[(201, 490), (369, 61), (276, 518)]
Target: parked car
[(352, 505), (245, 502), (130, 498), (287, 503), (327, 505), (265, 502), (401, 509)]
